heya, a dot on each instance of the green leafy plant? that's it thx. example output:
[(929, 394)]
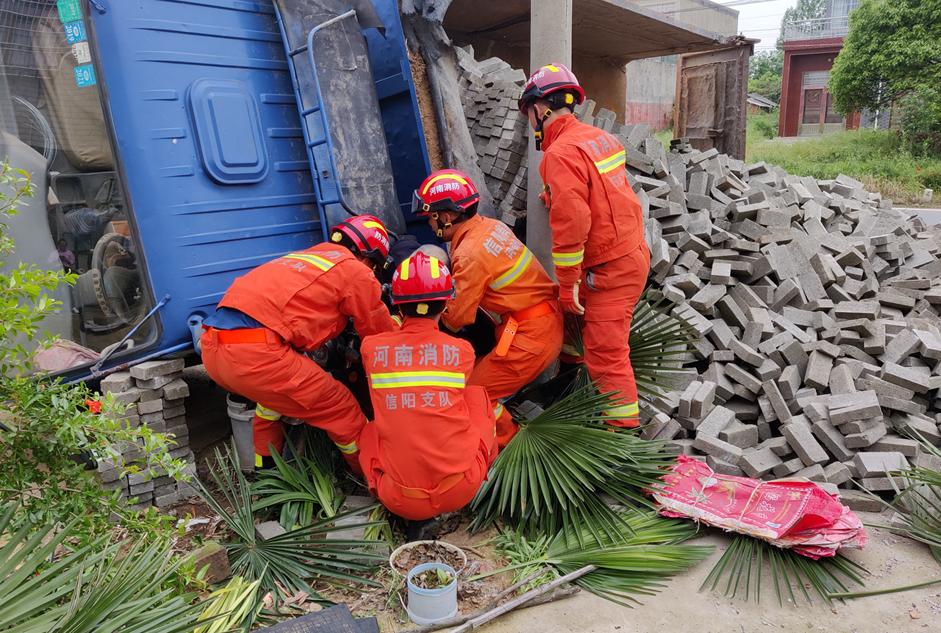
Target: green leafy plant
[(293, 561), (553, 473), (636, 562), (301, 489), (917, 514), (232, 607), (746, 559), (49, 431), (46, 587)]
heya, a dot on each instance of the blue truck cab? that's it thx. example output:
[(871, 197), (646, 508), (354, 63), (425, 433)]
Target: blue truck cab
[(176, 144)]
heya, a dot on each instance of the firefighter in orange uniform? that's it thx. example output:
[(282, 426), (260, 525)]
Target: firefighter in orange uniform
[(254, 343), (598, 248), (433, 437), (493, 270)]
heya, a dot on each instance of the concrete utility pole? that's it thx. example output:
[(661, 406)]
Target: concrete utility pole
[(550, 40)]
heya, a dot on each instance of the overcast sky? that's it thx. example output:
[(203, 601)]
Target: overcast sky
[(760, 19)]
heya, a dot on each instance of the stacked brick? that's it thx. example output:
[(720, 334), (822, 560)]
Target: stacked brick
[(154, 393), (491, 89)]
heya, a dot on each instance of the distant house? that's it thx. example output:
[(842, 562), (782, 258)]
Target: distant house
[(758, 103), (810, 47)]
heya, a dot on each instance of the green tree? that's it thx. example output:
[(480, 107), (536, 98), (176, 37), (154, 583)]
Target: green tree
[(764, 74), (893, 48)]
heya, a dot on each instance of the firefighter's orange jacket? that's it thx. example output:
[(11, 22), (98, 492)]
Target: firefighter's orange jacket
[(494, 270), (423, 430), (593, 212), (308, 297)]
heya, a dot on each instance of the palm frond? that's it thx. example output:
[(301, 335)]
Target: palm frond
[(230, 608), (293, 560), (552, 475), (794, 577), (302, 490), (659, 343), (96, 588), (638, 562)]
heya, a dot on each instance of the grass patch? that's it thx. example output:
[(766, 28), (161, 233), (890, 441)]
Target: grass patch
[(875, 157)]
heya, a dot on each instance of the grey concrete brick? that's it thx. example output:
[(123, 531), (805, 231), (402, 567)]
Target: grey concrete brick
[(176, 390), (788, 467), (758, 462), (836, 473), (719, 418), (856, 406), (744, 378), (801, 439), (908, 377), (819, 366), (832, 440), (866, 438), (154, 368), (117, 382), (723, 467), (717, 448), (896, 444), (813, 473), (879, 463), (739, 434), (746, 354)]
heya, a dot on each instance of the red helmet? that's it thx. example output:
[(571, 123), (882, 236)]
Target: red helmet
[(421, 278), (368, 235), (548, 80), (446, 190)]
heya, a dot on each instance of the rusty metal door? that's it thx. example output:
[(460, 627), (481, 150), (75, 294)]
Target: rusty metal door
[(710, 103)]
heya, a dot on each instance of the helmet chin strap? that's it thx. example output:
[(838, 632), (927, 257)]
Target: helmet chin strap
[(540, 120), (439, 232)]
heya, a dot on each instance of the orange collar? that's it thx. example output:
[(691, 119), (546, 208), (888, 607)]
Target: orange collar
[(556, 128), (418, 324), (462, 230)]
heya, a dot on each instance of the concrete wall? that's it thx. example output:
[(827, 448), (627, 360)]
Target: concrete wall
[(651, 83)]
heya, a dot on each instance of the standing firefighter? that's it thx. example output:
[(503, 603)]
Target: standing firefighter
[(254, 343), (433, 438), (601, 259), (493, 270)]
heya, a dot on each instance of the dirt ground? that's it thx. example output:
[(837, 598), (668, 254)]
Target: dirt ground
[(892, 561)]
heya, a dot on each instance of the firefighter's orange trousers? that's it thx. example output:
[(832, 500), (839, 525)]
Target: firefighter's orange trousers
[(282, 381), (535, 346), (450, 494), (609, 294)]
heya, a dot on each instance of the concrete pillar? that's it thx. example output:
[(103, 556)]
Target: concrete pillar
[(550, 41)]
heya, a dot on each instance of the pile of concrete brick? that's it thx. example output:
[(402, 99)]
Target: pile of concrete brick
[(154, 393), (817, 310), (815, 302), (491, 89)]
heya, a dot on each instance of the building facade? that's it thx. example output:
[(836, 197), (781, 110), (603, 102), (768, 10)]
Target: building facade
[(651, 83), (810, 47)]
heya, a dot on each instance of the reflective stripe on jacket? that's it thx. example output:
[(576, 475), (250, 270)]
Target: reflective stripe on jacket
[(308, 297), (494, 270)]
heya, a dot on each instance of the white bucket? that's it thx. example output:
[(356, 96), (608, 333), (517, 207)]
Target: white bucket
[(240, 416), (430, 606)]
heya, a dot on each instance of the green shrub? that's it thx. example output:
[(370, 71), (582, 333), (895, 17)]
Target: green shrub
[(762, 126), (49, 430), (921, 121)]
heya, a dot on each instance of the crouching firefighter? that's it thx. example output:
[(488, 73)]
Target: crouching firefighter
[(254, 343), (493, 270), (433, 437)]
